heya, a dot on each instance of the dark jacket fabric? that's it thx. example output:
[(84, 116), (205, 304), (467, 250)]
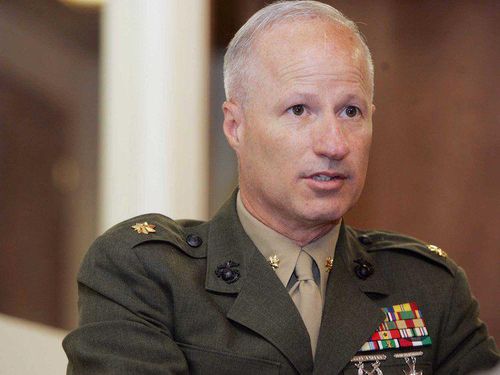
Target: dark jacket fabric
[(153, 304)]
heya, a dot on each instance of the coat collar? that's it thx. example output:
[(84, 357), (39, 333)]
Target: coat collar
[(263, 305)]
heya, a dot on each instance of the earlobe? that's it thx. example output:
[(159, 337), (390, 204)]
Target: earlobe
[(233, 120)]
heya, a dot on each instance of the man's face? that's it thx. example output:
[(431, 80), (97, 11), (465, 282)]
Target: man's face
[(304, 131)]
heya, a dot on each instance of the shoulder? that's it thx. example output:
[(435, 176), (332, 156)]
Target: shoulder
[(147, 229), (397, 245), (129, 248)]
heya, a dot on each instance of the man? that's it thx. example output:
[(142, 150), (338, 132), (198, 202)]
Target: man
[(276, 283)]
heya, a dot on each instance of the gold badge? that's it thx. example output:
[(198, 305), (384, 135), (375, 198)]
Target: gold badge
[(274, 261), (437, 250), (329, 264), (144, 228)]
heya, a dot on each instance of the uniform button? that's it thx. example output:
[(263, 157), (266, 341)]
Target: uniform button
[(365, 239), (193, 240), (363, 269)]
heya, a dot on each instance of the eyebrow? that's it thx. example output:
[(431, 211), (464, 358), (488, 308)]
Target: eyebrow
[(312, 97), (298, 95), (350, 97)]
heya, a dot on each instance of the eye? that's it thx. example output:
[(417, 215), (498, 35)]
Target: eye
[(351, 111), (298, 109)]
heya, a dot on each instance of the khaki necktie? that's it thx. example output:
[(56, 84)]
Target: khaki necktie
[(307, 297)]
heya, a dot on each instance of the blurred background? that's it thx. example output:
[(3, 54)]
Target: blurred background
[(111, 109)]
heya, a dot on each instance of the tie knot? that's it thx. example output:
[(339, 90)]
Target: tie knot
[(304, 267)]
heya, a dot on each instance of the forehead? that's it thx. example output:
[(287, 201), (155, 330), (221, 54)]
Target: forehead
[(290, 50), (286, 35)]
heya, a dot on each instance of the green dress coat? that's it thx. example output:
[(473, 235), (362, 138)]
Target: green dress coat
[(154, 304)]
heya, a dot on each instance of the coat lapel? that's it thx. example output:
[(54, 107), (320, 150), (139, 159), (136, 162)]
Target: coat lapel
[(349, 316), (261, 303), (265, 307)]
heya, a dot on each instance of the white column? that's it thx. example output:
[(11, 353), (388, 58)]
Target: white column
[(154, 114)]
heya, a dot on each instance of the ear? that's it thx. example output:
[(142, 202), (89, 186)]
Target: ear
[(233, 123), (373, 108)]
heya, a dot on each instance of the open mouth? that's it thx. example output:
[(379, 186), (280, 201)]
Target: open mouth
[(323, 177)]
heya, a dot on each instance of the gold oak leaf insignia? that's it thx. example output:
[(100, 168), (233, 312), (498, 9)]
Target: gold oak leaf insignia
[(274, 261), (437, 250), (329, 264), (144, 228)]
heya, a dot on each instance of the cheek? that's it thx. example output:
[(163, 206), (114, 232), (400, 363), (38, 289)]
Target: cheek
[(285, 154), (258, 154), (271, 145), (357, 159), (367, 147), (273, 148), (362, 145)]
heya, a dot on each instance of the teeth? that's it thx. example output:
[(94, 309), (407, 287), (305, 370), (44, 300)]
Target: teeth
[(322, 177)]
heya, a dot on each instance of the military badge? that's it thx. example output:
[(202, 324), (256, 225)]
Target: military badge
[(228, 272), (360, 361), (274, 261), (144, 228), (437, 250), (329, 264), (411, 360), (403, 327)]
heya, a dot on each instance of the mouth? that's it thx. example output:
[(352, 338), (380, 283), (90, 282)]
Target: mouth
[(326, 180), (327, 176)]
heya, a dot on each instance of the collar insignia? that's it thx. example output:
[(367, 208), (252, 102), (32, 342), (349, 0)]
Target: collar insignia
[(274, 261), (228, 272), (329, 264)]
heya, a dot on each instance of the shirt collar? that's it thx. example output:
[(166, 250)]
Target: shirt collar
[(271, 243), (320, 250)]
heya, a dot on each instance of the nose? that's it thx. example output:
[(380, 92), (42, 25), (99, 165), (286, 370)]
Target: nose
[(330, 140)]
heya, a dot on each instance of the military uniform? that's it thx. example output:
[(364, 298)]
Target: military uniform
[(199, 298)]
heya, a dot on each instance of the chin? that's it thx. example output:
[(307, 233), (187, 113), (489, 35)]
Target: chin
[(325, 215)]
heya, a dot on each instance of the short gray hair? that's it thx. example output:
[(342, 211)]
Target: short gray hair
[(239, 49)]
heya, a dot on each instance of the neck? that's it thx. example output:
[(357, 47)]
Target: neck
[(300, 232)]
